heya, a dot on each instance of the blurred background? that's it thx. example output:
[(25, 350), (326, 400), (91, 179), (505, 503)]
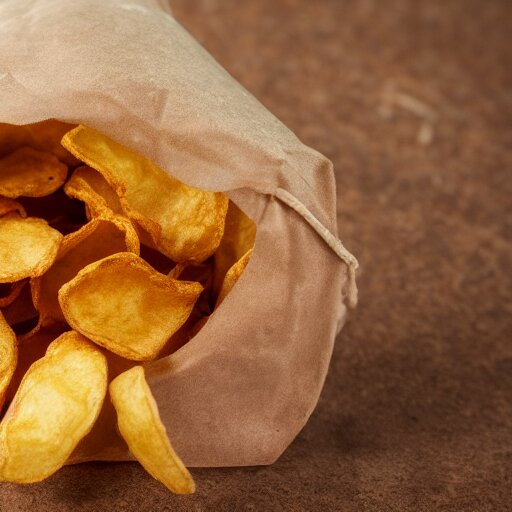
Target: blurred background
[(412, 101)]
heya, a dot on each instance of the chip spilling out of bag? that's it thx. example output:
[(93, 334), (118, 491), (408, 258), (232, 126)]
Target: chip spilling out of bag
[(140, 425), (106, 261)]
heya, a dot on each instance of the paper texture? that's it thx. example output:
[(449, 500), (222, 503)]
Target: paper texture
[(241, 390)]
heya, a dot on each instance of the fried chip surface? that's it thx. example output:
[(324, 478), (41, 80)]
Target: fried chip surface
[(239, 237), (93, 189), (56, 404), (184, 223), (126, 306), (8, 356), (28, 247), (94, 241), (46, 136), (28, 172), (232, 276), (140, 425)]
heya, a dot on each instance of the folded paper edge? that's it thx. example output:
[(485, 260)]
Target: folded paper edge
[(331, 240)]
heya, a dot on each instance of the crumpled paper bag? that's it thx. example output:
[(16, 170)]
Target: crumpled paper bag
[(240, 391)]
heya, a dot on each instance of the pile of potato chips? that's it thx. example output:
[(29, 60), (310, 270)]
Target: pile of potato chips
[(105, 260)]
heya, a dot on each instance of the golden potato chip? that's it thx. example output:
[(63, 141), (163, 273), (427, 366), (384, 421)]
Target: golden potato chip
[(28, 247), (184, 223), (232, 276), (43, 136), (56, 404), (239, 237), (8, 356), (27, 172), (9, 292), (46, 136), (92, 188), (126, 306), (11, 206), (96, 240), (12, 137), (140, 424)]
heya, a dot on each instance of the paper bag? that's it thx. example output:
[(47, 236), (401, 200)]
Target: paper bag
[(240, 390)]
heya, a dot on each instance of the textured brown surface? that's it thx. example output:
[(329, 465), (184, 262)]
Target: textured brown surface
[(416, 412)]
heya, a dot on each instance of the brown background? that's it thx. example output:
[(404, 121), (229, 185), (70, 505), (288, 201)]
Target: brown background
[(416, 413)]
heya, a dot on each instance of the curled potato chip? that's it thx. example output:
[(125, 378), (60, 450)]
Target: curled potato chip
[(233, 275), (239, 237), (8, 205), (28, 172), (94, 241), (140, 424), (8, 356), (56, 404), (184, 223), (92, 188), (28, 247), (126, 306)]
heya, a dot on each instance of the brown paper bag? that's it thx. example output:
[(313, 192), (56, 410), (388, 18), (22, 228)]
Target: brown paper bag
[(241, 390)]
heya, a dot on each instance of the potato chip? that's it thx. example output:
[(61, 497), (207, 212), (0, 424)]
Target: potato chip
[(126, 306), (96, 240), (140, 424), (12, 137), (232, 276), (9, 292), (27, 172), (43, 136), (8, 357), (184, 223), (92, 188), (56, 404), (239, 237), (28, 247), (11, 206), (46, 136)]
